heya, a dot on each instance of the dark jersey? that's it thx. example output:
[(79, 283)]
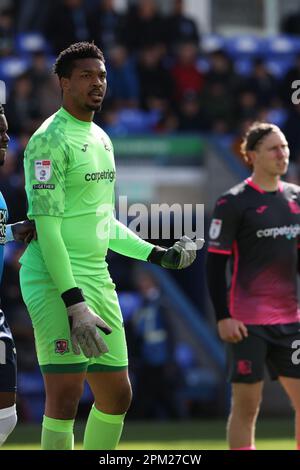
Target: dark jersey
[(261, 231)]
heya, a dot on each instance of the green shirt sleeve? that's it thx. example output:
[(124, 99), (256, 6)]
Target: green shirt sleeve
[(45, 167), (125, 242), (54, 252)]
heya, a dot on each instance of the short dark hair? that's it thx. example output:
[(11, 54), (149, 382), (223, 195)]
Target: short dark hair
[(254, 136), (64, 63)]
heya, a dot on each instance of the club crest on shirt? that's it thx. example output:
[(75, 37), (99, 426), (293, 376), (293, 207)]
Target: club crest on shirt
[(42, 170), (215, 228), (61, 346)]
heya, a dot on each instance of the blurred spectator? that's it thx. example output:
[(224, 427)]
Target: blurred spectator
[(151, 348), (185, 72), (155, 80), (247, 105), (105, 25), (262, 83), (32, 14), (22, 110), (290, 24), (39, 70), (180, 28), (191, 116), (221, 70), (218, 106), (49, 97), (123, 84), (67, 23), (7, 33), (144, 26)]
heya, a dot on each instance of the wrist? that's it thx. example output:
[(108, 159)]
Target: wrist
[(72, 296), (156, 255), (224, 315)]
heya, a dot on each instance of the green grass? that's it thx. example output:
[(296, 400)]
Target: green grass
[(201, 435)]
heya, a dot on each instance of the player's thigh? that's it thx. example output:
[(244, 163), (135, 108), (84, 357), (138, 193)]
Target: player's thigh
[(8, 361), (246, 359), (50, 323), (102, 298)]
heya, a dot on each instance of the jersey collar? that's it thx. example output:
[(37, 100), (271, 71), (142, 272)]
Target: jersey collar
[(249, 182)]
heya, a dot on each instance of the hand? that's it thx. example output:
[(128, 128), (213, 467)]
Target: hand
[(24, 231), (84, 332), (182, 254), (232, 330)]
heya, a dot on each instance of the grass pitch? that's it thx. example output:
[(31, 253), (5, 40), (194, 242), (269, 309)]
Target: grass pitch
[(177, 435)]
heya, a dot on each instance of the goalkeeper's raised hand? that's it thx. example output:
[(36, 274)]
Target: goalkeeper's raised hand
[(181, 255), (84, 334)]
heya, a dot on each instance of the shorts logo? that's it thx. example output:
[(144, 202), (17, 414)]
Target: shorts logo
[(215, 228), (42, 170), (61, 346), (244, 367)]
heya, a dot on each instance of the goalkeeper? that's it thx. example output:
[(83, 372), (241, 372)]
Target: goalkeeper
[(70, 176)]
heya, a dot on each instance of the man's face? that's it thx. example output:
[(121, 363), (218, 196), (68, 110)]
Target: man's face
[(272, 155), (4, 139), (86, 87)]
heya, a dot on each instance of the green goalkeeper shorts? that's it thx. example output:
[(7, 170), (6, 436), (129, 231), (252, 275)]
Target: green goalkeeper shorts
[(51, 326)]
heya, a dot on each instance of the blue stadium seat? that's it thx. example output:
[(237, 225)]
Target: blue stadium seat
[(212, 42), (243, 46), (28, 43), (243, 66), (280, 46), (12, 67), (278, 66)]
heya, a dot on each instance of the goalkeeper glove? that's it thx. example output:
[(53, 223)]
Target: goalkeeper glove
[(84, 323), (181, 255)]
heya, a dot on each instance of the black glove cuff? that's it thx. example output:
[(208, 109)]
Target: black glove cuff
[(72, 296), (156, 255)]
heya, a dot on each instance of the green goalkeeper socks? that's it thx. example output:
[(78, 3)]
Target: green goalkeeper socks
[(103, 431), (57, 434)]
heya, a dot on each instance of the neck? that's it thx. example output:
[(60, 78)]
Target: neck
[(266, 182), (82, 115)]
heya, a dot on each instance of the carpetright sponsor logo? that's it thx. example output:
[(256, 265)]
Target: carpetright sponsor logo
[(288, 231), (101, 175)]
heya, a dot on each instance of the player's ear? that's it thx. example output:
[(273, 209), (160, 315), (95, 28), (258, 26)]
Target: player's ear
[(251, 156), (65, 83)]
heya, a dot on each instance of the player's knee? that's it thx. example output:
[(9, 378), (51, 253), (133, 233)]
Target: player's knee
[(246, 409), (123, 398), (8, 421), (64, 402)]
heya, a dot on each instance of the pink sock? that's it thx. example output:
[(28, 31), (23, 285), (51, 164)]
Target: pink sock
[(252, 447)]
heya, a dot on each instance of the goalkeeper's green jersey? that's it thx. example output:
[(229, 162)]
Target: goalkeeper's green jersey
[(70, 173)]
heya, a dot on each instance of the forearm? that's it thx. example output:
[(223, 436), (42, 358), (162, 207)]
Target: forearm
[(217, 285), (127, 243), (54, 252)]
